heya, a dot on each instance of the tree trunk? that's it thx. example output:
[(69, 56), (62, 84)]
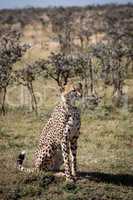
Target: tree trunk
[(91, 78), (3, 98), (33, 98)]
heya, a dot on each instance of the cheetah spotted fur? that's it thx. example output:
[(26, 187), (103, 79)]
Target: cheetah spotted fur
[(58, 140)]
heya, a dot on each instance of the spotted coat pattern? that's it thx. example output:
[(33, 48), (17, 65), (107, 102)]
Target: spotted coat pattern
[(58, 140), (60, 134)]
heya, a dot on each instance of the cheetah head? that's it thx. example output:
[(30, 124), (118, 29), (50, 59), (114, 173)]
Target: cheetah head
[(71, 92)]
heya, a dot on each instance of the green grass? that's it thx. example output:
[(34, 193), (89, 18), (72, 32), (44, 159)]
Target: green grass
[(105, 156)]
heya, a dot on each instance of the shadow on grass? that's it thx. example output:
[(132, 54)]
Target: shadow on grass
[(116, 179)]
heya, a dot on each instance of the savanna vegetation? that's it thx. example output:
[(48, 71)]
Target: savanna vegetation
[(40, 51)]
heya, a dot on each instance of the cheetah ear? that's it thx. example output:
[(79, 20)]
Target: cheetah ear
[(62, 89), (65, 86), (78, 86), (70, 83)]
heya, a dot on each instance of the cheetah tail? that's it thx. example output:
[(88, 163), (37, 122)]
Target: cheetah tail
[(20, 160)]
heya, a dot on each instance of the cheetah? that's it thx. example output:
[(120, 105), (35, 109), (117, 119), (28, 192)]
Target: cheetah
[(58, 140)]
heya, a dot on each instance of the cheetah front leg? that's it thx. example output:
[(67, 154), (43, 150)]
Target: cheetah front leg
[(65, 152), (73, 150), (57, 160)]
